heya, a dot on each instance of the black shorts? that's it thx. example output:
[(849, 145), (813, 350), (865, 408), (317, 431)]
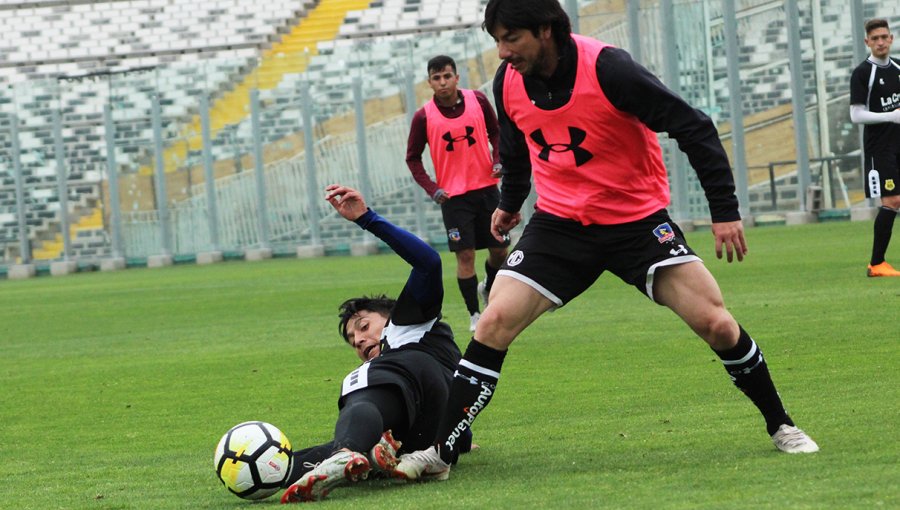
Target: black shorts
[(882, 174), (561, 258), (467, 218), (424, 383)]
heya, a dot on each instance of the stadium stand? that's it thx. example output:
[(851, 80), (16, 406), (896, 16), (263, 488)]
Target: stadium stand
[(391, 17), (123, 52), (95, 57), (91, 35)]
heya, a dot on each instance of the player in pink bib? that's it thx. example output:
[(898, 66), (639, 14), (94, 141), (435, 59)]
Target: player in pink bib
[(579, 117), (458, 126)]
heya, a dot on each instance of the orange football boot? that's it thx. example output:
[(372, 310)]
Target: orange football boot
[(883, 269)]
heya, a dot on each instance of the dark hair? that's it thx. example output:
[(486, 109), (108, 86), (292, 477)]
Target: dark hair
[(439, 62), (380, 304), (530, 15), (872, 24)]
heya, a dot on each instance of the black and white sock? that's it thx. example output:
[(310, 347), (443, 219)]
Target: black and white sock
[(473, 387), (748, 370)]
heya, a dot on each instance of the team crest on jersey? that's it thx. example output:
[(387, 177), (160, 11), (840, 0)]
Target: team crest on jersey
[(664, 233), (453, 235), (889, 184)]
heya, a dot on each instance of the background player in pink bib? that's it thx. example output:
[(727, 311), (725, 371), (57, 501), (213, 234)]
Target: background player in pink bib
[(460, 128)]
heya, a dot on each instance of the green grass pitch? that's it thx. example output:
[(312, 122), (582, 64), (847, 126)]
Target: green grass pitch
[(117, 386)]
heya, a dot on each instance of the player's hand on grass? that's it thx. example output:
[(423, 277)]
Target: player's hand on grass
[(503, 222), (730, 235), (348, 202)]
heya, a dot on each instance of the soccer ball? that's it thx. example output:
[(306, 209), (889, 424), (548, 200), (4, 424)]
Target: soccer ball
[(252, 459)]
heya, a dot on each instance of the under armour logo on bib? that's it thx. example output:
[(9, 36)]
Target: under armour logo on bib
[(576, 137), (450, 139)]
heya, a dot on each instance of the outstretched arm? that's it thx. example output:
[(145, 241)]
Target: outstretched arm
[(348, 202), (859, 114), (425, 280)]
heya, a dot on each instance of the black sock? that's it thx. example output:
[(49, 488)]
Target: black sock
[(469, 289), (884, 225), (490, 272), (748, 370), (473, 386), (305, 460)]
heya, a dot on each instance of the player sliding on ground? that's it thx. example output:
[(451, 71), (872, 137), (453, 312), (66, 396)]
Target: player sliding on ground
[(580, 118), (408, 359)]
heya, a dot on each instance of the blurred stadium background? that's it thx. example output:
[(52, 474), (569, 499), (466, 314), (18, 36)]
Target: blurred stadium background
[(149, 132)]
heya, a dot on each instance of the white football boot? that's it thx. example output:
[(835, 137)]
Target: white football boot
[(790, 439), (422, 466)]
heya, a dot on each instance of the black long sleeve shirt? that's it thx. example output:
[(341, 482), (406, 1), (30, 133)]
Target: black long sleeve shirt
[(633, 89)]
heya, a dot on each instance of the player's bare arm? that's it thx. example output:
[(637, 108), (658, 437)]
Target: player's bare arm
[(730, 235), (348, 202), (503, 222)]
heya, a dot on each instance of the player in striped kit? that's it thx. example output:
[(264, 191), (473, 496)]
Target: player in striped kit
[(875, 103)]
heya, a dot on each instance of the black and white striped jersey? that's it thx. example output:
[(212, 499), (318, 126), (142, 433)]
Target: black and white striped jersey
[(878, 88)]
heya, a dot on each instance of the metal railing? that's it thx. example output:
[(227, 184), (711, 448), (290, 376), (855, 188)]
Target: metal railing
[(829, 170)]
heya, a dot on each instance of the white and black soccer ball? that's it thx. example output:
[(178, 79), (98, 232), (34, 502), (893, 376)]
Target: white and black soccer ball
[(252, 459)]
